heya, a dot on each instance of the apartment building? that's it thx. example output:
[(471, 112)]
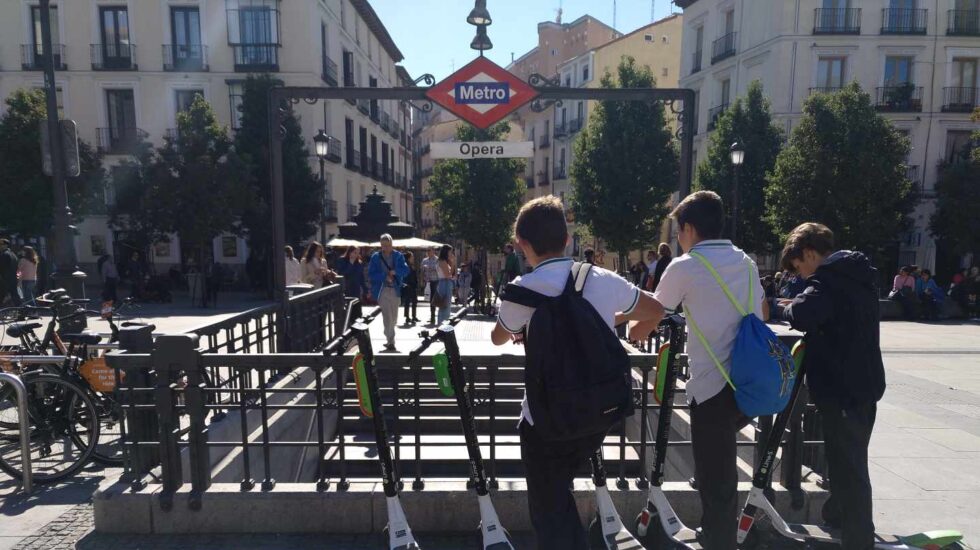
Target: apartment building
[(917, 58), (125, 68)]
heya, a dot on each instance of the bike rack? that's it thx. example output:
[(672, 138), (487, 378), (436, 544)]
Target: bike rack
[(25, 448)]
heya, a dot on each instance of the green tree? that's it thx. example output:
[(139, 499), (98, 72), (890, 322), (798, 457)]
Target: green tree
[(955, 221), (477, 200), (844, 167), (749, 122), (625, 166), (197, 188), (301, 189), (27, 203), (133, 209)]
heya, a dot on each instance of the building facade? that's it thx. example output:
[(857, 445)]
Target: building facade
[(125, 68), (917, 58)]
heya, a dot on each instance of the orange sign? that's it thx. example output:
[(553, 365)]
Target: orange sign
[(100, 376)]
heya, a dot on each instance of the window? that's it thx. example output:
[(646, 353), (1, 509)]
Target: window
[(554, 52), (585, 72), (185, 31), (229, 247), (348, 61), (726, 90), (699, 39), (121, 110), (898, 70), (184, 99), (964, 72), (648, 37), (114, 23), (568, 81), (729, 21), (830, 72), (253, 30), (357, 30), (36, 27), (581, 110), (958, 145), (343, 22), (663, 73), (235, 93), (60, 96), (836, 4), (901, 4)]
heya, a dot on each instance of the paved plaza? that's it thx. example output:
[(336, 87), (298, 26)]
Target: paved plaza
[(925, 452)]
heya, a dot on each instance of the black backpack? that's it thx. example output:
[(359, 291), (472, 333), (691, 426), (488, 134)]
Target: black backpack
[(577, 375)]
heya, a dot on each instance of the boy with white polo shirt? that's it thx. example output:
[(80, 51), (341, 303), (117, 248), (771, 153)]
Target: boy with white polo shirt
[(715, 417), (542, 234)]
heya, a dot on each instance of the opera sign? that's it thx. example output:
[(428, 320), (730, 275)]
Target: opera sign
[(481, 93)]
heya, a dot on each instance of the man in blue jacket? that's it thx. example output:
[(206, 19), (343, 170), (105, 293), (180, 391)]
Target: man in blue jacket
[(387, 272), (838, 311)]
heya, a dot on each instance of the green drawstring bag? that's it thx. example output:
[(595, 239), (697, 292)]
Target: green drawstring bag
[(440, 364)]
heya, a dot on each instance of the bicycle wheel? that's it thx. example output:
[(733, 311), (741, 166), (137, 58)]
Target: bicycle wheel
[(109, 449), (64, 428)]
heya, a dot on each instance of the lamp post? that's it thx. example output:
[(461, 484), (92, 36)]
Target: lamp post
[(738, 157), (321, 144), (480, 18)]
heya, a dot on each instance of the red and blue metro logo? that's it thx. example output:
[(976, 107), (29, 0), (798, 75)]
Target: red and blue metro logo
[(481, 93)]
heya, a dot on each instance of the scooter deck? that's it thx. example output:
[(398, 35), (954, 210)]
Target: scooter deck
[(819, 533), (623, 540), (686, 539)]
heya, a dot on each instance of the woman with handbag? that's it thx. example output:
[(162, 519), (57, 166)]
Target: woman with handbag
[(446, 271), (903, 292)]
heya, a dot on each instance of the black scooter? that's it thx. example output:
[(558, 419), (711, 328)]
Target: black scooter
[(657, 525), (607, 529)]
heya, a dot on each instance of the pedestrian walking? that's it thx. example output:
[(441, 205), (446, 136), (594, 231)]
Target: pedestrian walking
[(294, 273), (464, 282), (446, 272), (110, 278), (350, 267), (649, 268), (430, 276), (8, 273), (387, 271), (410, 291), (663, 260), (27, 273)]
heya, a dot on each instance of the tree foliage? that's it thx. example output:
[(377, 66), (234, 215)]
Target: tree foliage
[(27, 203), (625, 166), (749, 122), (844, 167), (302, 190), (194, 186), (955, 221), (477, 199)]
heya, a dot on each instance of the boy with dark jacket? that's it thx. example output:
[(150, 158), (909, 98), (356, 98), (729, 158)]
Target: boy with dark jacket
[(838, 311)]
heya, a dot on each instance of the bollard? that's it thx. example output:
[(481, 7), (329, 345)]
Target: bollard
[(25, 428)]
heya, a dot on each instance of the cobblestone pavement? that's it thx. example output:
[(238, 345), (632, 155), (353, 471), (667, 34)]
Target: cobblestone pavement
[(76, 525)]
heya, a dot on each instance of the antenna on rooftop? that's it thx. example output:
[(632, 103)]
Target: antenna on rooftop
[(614, 14), (653, 10)]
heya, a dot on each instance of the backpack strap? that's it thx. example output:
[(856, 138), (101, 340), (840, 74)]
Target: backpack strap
[(580, 275), (707, 348), (731, 297), (522, 296)]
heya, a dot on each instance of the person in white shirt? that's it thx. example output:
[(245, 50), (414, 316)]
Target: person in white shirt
[(715, 417), (430, 277), (293, 270), (542, 234)]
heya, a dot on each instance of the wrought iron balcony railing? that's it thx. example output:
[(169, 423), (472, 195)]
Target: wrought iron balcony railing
[(118, 141), (333, 150), (32, 57), (837, 21), (957, 99), (714, 113), (963, 22), (903, 21), (904, 98), (185, 57), (723, 48), (329, 210), (113, 57), (559, 173), (329, 75), (353, 159), (256, 57)]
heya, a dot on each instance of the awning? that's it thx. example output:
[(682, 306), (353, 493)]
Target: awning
[(414, 243), (344, 243)]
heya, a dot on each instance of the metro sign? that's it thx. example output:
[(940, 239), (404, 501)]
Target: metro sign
[(481, 93)]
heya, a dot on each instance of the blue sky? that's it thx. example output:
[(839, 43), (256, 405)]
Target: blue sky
[(434, 37)]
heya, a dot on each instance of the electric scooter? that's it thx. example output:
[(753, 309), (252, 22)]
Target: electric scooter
[(657, 525), (813, 534), (607, 529), (369, 396), (494, 535)]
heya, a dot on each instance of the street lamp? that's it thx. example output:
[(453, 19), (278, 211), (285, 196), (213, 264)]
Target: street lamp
[(321, 144), (479, 15), (481, 41), (738, 157)]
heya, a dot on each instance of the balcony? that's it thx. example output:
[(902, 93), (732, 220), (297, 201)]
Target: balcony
[(333, 150), (396, 129), (545, 142), (905, 98), (329, 74), (723, 48), (185, 57), (574, 125), (375, 112), (714, 113), (543, 179), (118, 141), (349, 82), (256, 57), (376, 170), (561, 129), (425, 149), (352, 210), (559, 173), (329, 210), (912, 173), (960, 100), (353, 159), (113, 57), (963, 23), (903, 21), (696, 61), (529, 181), (837, 21), (386, 122), (32, 58), (364, 106), (825, 90)]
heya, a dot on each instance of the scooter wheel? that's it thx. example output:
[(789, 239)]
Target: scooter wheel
[(655, 539)]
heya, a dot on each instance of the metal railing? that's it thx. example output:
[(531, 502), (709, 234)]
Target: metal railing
[(118, 141), (329, 74), (825, 90), (256, 57), (185, 57), (330, 210), (113, 57), (837, 21), (32, 57), (903, 21), (545, 142), (337, 430), (963, 22), (714, 113), (333, 150), (696, 61), (912, 173), (574, 125), (904, 98), (353, 159), (959, 99), (24, 428), (559, 173), (561, 129), (352, 211), (543, 178), (364, 106), (723, 48)]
